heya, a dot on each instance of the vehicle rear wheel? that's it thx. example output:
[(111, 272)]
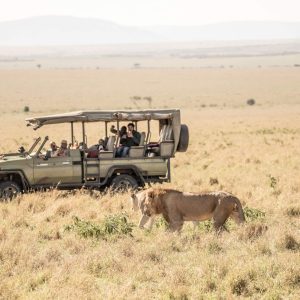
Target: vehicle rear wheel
[(8, 190), (183, 139), (124, 182)]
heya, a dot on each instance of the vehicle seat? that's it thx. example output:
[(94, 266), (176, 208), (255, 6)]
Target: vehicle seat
[(165, 147), (143, 138), (138, 151), (110, 148)]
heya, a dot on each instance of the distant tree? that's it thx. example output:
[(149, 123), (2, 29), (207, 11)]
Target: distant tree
[(251, 102), (138, 101), (149, 100)]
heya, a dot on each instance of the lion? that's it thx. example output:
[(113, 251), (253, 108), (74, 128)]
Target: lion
[(177, 207), (137, 203)]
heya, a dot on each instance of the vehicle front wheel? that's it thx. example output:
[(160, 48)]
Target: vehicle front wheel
[(124, 182), (8, 190)]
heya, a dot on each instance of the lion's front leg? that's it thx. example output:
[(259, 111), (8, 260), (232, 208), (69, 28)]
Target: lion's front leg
[(175, 226), (219, 219), (144, 219), (175, 222)]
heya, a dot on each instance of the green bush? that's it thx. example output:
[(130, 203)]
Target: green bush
[(117, 224), (114, 225), (161, 222), (252, 214), (206, 226)]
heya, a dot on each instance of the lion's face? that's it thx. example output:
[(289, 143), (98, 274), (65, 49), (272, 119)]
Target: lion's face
[(137, 200), (152, 204), (148, 202), (237, 215)]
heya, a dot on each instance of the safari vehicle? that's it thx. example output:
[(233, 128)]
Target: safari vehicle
[(146, 163)]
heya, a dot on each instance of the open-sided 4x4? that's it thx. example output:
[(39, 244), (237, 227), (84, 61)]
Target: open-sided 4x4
[(147, 162)]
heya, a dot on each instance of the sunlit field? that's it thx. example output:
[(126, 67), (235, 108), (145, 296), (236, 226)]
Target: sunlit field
[(86, 245)]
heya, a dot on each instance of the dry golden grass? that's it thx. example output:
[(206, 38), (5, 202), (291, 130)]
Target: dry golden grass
[(253, 152)]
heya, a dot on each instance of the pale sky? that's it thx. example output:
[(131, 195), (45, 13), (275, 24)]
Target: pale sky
[(156, 12)]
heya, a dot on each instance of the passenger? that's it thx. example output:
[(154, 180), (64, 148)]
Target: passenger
[(133, 136), (53, 152), (93, 151), (75, 146), (101, 145), (63, 150), (82, 146), (133, 139), (122, 134)]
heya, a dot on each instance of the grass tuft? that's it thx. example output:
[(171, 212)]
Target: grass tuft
[(293, 211), (290, 243)]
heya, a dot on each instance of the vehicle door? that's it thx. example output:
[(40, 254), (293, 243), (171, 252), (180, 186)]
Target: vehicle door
[(54, 170)]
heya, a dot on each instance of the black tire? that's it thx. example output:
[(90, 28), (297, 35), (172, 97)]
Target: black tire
[(124, 182), (9, 190), (183, 139)]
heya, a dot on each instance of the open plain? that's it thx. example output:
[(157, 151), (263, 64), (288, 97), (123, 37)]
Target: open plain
[(50, 243)]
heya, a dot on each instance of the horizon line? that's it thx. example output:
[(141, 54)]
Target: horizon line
[(148, 25)]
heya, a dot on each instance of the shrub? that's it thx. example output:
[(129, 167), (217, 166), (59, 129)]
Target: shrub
[(293, 211), (290, 243), (252, 214), (251, 102), (239, 286), (206, 226), (85, 229), (117, 224), (273, 181), (161, 222), (213, 181), (114, 225), (26, 108)]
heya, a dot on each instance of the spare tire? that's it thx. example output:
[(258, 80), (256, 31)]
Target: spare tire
[(183, 138)]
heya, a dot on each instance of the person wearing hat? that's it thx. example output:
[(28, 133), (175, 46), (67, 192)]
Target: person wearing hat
[(63, 150), (53, 150)]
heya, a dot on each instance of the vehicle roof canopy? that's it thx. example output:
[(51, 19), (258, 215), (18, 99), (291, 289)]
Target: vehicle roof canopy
[(105, 116)]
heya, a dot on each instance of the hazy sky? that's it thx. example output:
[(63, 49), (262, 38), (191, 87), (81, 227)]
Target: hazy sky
[(156, 12)]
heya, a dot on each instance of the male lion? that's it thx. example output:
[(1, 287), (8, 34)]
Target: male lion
[(177, 207)]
